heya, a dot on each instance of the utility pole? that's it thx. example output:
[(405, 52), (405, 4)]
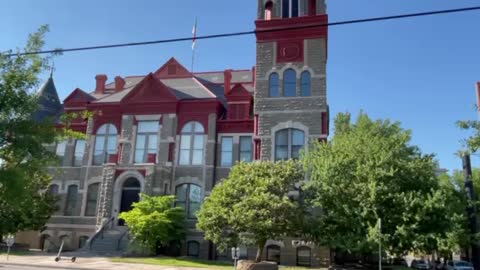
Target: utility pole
[(471, 209)]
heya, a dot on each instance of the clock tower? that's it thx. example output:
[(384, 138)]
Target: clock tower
[(291, 107)]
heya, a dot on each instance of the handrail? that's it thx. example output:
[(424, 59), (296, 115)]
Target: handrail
[(100, 231), (121, 237)]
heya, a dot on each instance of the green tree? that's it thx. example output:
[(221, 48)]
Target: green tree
[(23, 157), (370, 171), (154, 223), (252, 205)]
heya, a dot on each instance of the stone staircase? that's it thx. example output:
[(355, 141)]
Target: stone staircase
[(113, 241)]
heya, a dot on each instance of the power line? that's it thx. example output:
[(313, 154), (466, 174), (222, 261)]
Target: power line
[(385, 18)]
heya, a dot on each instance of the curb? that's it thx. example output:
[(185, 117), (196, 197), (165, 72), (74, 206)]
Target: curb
[(46, 266)]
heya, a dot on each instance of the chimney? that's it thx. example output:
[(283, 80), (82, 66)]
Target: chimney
[(119, 83), (101, 80), (228, 80)]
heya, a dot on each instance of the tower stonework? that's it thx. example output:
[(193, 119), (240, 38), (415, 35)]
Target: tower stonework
[(290, 90)]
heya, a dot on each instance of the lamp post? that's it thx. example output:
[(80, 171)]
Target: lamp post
[(10, 241)]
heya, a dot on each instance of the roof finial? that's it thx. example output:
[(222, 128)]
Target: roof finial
[(52, 69)]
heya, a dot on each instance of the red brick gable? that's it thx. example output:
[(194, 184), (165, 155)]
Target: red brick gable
[(172, 69), (150, 90), (78, 98), (238, 93)]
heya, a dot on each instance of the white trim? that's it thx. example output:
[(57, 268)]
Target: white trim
[(150, 117)]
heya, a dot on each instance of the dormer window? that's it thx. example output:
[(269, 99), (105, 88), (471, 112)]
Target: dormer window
[(290, 8)]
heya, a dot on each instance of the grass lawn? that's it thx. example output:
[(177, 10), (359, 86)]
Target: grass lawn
[(184, 262)]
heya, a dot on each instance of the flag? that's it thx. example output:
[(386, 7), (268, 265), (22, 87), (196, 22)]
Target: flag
[(194, 33)]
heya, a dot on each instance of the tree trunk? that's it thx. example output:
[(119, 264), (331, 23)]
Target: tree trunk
[(260, 246)]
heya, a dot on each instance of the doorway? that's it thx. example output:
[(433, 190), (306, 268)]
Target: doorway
[(130, 194)]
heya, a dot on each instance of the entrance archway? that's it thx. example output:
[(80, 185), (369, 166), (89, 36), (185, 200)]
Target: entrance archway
[(130, 194)]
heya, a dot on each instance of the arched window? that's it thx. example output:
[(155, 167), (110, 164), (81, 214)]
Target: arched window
[(193, 248), (82, 240), (273, 253), (305, 84), (191, 144), (268, 10), (304, 256), (92, 197), (274, 85), (105, 144), (288, 143), (289, 83), (189, 197), (290, 8), (71, 202)]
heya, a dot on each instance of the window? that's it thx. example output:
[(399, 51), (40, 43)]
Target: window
[(79, 152), (273, 253), (290, 8), (189, 197), (246, 148), (71, 202), (53, 190), (289, 83), (288, 143), (92, 197), (274, 85), (304, 256), (305, 84), (82, 240), (105, 144), (268, 10), (193, 248), (60, 151), (227, 151), (147, 134), (191, 144)]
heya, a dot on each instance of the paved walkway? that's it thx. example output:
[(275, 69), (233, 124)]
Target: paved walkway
[(82, 263)]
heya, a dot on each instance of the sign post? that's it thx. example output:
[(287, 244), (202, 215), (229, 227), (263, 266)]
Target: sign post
[(235, 256), (10, 241)]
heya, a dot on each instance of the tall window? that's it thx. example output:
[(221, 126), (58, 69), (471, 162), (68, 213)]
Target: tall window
[(227, 151), (268, 10), (193, 248), (92, 197), (53, 190), (290, 8), (288, 143), (189, 197), (147, 134), (191, 144), (274, 85), (105, 144), (71, 203), (60, 151), (246, 148), (289, 83), (273, 253), (79, 152), (305, 88), (304, 256)]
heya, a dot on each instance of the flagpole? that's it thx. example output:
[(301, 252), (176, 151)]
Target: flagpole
[(193, 58), (194, 43)]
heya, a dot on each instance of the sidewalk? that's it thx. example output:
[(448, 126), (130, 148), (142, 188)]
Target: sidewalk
[(81, 263)]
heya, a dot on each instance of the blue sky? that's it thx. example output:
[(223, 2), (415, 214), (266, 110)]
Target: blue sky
[(419, 71)]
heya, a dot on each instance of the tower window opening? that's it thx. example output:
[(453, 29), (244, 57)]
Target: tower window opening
[(268, 10), (290, 8)]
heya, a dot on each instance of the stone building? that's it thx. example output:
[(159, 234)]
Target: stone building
[(176, 132)]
